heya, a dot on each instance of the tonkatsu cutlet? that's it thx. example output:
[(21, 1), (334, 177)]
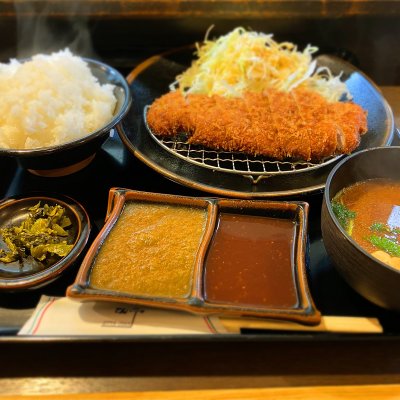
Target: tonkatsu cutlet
[(297, 125)]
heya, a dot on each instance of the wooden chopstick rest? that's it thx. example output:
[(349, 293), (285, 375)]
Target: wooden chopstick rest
[(337, 324)]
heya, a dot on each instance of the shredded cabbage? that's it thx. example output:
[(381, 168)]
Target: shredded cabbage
[(248, 61)]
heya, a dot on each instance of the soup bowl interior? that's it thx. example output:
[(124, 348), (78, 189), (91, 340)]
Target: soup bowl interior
[(373, 279), (69, 157)]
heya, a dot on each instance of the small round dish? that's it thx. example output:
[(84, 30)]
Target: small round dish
[(373, 279), (15, 276), (70, 157)]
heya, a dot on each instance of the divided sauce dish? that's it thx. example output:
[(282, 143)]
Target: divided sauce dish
[(203, 255)]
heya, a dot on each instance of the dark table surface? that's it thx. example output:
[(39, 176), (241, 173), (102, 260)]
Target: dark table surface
[(252, 359)]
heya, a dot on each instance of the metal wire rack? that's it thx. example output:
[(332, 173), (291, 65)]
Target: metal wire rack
[(255, 168)]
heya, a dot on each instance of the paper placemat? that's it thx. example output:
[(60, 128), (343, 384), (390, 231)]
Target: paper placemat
[(61, 316)]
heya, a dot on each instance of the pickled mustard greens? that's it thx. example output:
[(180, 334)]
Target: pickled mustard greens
[(44, 235)]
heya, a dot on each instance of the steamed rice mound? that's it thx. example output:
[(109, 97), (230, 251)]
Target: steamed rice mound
[(50, 100)]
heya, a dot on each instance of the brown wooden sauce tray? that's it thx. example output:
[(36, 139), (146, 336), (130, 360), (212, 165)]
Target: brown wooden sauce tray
[(248, 258)]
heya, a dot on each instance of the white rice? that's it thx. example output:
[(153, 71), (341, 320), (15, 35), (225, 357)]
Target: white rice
[(50, 100)]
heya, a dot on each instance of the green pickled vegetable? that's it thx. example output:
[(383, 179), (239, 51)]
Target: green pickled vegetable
[(44, 235)]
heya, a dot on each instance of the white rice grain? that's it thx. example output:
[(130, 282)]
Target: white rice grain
[(50, 100)]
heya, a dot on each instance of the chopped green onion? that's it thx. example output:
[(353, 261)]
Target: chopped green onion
[(385, 244), (344, 215)]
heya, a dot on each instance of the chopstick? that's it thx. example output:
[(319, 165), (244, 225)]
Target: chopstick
[(335, 324)]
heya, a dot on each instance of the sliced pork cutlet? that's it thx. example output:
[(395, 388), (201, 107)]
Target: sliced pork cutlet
[(218, 126), (292, 138), (240, 124), (325, 136), (263, 129), (298, 125), (167, 114), (197, 106), (352, 120)]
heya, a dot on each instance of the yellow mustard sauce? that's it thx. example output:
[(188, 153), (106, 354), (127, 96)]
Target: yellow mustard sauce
[(151, 251)]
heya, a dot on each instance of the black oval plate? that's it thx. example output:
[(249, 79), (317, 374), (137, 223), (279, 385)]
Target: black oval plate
[(152, 78)]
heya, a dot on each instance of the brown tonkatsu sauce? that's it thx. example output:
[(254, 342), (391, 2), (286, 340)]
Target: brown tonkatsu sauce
[(250, 262)]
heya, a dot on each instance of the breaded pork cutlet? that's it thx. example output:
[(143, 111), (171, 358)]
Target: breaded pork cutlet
[(291, 133), (324, 136), (297, 125)]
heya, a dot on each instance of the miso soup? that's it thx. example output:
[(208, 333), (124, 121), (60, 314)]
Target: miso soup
[(369, 211)]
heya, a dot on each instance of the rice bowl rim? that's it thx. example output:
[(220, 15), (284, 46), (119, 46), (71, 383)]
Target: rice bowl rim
[(120, 82)]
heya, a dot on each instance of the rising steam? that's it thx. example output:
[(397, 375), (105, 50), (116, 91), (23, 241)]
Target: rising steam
[(41, 29)]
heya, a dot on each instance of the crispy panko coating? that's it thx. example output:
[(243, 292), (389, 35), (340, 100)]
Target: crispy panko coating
[(297, 125)]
